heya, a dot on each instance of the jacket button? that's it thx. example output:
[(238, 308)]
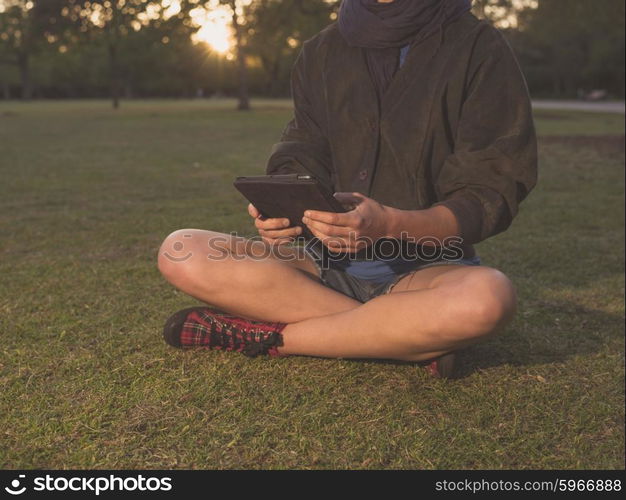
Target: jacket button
[(363, 175)]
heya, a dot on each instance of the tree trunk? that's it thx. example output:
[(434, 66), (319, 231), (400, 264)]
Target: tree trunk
[(242, 68), (23, 62), (128, 90), (272, 70), (274, 86), (115, 80), (6, 91), (219, 91)]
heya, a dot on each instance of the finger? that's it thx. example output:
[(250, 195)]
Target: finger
[(328, 229), (255, 212), (324, 238), (327, 240), (336, 219), (277, 241), (345, 219), (271, 223), (341, 249), (290, 232), (252, 210), (336, 245), (317, 234), (349, 200)]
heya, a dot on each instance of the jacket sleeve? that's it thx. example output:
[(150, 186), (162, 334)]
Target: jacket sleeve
[(304, 147), (494, 163)]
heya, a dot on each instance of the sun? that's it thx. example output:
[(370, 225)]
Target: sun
[(214, 28)]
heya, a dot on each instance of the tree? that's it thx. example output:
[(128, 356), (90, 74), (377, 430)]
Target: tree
[(277, 30), (574, 44), (495, 11), (27, 27), (116, 23), (239, 11), (111, 21), (239, 20)]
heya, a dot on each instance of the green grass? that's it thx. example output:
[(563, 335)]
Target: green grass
[(550, 122), (87, 195)]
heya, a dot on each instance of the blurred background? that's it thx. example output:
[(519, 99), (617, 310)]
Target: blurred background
[(241, 48)]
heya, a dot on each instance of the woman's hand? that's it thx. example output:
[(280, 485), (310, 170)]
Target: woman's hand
[(273, 231), (351, 231)]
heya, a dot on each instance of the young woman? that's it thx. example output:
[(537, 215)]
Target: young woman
[(417, 114)]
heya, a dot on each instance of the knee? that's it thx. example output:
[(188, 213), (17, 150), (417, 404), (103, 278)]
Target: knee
[(174, 255), (490, 302), (183, 256)]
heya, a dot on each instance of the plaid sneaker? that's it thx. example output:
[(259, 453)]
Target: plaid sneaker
[(206, 328), (442, 367)]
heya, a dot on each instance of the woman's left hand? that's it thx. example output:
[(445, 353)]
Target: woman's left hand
[(350, 231)]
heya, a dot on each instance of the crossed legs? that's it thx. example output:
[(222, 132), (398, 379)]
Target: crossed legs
[(430, 312)]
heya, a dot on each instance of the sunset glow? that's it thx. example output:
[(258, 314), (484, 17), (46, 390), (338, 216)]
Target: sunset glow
[(214, 28)]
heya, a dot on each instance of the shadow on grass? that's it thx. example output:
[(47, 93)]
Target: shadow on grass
[(563, 330), (567, 330)]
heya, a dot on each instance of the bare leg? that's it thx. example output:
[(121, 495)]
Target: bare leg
[(433, 311), (248, 278)]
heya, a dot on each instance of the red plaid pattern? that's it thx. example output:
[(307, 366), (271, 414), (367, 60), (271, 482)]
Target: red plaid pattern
[(209, 329)]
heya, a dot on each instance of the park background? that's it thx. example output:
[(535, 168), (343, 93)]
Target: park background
[(123, 120), (193, 48)]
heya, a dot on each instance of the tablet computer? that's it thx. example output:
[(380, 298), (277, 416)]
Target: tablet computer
[(287, 196)]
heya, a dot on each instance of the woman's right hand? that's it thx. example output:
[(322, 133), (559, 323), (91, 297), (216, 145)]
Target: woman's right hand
[(273, 231)]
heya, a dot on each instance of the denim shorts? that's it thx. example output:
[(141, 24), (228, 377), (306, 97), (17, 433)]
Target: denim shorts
[(336, 277)]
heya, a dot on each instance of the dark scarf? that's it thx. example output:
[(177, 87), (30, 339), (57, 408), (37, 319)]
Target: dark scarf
[(383, 28)]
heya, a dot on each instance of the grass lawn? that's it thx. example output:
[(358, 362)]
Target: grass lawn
[(87, 194)]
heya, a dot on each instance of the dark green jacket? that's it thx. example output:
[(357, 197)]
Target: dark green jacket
[(455, 126)]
